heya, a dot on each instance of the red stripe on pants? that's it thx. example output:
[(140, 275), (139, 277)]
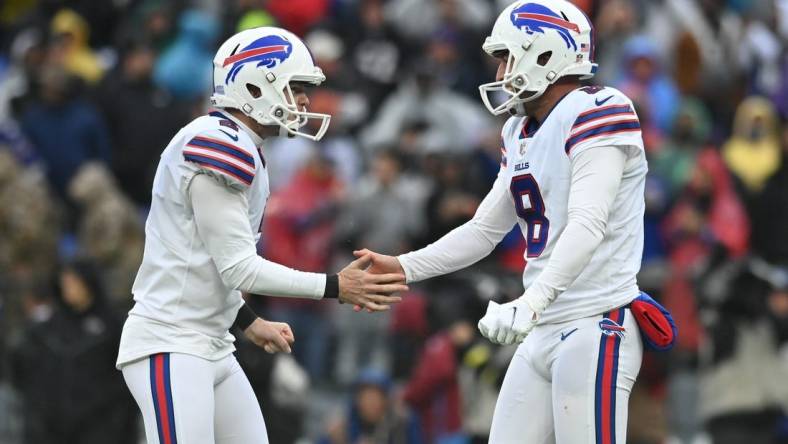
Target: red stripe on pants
[(608, 386), (164, 416)]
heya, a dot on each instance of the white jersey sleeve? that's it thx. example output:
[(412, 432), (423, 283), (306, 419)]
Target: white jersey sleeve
[(221, 218), (223, 155), (471, 241)]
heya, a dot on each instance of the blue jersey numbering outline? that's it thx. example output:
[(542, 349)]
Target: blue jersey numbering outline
[(529, 205)]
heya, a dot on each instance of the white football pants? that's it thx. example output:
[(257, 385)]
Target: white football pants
[(569, 383), (189, 400)]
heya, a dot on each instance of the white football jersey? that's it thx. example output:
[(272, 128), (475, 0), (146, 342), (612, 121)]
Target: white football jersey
[(181, 304), (536, 165)]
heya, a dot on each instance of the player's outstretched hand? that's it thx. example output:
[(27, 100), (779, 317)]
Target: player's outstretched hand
[(273, 337), (360, 287), (381, 263), (507, 323)]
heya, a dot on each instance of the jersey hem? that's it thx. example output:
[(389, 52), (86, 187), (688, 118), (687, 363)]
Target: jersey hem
[(562, 316), (130, 358)]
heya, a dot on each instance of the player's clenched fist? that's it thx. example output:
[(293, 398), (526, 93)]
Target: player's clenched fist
[(273, 337), (508, 323), (371, 291)]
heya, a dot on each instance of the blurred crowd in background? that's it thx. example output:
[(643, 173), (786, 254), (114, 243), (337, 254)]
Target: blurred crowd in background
[(92, 91)]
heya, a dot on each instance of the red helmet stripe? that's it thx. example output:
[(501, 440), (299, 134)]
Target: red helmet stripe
[(548, 19), (252, 53)]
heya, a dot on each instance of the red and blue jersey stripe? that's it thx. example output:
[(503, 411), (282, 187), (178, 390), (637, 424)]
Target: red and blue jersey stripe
[(221, 156), (161, 389), (604, 121)]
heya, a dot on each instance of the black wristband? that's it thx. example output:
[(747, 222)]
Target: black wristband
[(245, 317), (332, 286)]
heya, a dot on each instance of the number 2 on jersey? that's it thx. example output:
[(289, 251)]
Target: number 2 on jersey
[(530, 207)]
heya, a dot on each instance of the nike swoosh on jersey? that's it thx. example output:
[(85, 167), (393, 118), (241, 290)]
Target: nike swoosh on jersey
[(235, 138), (599, 103), (566, 335)]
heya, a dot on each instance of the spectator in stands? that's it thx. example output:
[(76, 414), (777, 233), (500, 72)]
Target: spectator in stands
[(645, 81), (299, 227), (385, 209), (741, 398), (64, 128), (434, 389), (151, 21), (64, 368), (29, 222), (448, 51), (753, 151), (770, 213), (374, 416), (70, 47), (141, 118), (376, 51), (714, 30), (110, 230), (674, 161), (299, 15), (417, 19), (408, 331), (615, 22), (184, 68), (451, 203), (708, 224), (27, 53), (451, 122), (709, 210)]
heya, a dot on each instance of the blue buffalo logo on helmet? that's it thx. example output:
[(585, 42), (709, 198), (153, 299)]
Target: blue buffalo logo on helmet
[(532, 18), (268, 51), (610, 327)]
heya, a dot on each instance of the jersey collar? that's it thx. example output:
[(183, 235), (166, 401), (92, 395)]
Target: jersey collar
[(531, 125), (258, 141)]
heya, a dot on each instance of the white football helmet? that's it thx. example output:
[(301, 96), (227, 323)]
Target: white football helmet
[(554, 29), (267, 59)]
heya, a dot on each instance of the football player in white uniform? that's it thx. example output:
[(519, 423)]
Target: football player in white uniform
[(572, 176), (208, 199)]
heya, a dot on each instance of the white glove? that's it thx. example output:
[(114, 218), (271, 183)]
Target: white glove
[(509, 323)]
